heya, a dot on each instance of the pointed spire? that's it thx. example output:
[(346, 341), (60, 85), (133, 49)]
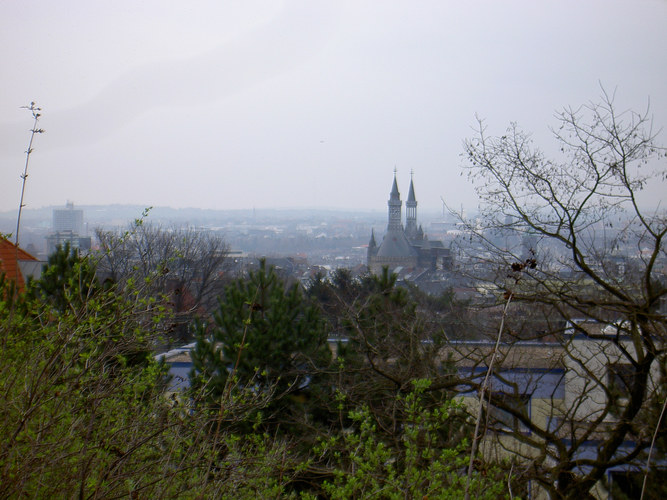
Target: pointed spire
[(372, 243), (411, 212), (394, 195), (411, 194)]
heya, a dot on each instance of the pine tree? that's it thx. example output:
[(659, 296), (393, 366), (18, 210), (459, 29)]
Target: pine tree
[(66, 280), (265, 334)]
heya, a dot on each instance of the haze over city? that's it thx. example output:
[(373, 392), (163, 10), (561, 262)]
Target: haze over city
[(300, 104)]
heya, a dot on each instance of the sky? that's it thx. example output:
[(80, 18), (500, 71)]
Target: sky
[(300, 104)]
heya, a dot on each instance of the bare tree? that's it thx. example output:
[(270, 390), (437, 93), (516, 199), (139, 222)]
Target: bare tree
[(572, 240), (182, 266)]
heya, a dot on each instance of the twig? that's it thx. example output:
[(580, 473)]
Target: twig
[(35, 114), (509, 481), (650, 450), (482, 392)]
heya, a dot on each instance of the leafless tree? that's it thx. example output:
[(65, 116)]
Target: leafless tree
[(574, 243), (183, 266)]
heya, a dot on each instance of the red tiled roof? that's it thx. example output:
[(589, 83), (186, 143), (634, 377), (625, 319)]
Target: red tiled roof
[(9, 258)]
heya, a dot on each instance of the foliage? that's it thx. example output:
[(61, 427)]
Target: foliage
[(389, 346), (383, 327), (66, 279), (266, 336), (388, 342), (76, 379), (84, 412), (414, 466)]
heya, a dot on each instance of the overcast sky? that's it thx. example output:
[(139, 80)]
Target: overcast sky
[(268, 104)]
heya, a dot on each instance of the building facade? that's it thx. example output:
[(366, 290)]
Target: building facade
[(68, 219), (68, 228)]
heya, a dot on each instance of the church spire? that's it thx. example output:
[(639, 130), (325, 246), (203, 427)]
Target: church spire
[(411, 212), (411, 193), (394, 195), (372, 249)]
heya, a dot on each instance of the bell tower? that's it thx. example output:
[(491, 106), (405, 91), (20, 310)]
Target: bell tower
[(395, 204), (411, 212)]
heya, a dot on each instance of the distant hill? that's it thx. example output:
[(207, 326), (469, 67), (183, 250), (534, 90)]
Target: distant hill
[(119, 215)]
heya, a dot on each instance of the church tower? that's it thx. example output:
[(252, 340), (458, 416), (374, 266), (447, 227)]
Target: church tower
[(411, 229), (395, 250), (405, 250), (395, 220)]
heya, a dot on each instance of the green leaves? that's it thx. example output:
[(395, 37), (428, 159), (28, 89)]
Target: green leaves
[(264, 331), (415, 466), (81, 394)]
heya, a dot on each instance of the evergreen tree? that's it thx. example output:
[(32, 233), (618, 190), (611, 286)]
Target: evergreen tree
[(265, 335), (67, 279)]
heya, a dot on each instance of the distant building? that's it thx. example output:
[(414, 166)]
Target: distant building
[(405, 248), (68, 219), (54, 240), (67, 228)]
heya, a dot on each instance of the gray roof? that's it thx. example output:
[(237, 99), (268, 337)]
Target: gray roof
[(395, 244)]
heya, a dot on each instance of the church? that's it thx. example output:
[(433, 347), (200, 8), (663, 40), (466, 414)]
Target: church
[(405, 249)]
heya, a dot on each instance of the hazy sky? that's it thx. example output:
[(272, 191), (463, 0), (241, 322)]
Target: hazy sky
[(240, 104)]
